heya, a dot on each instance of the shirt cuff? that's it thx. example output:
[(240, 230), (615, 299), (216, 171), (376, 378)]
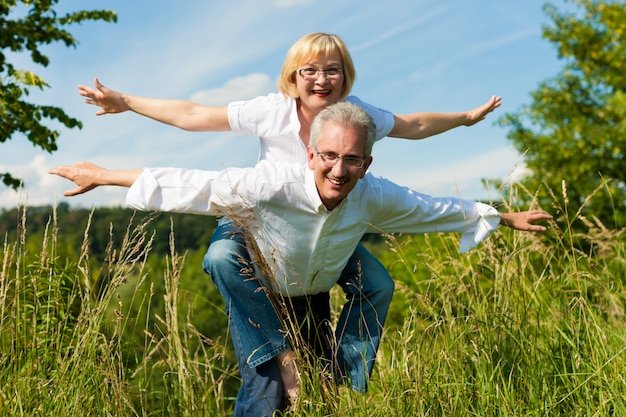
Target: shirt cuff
[(488, 222)]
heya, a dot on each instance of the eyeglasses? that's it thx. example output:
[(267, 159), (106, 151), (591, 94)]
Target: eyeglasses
[(313, 73), (330, 160)]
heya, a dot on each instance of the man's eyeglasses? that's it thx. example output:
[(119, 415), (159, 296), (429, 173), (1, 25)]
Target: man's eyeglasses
[(330, 160), (313, 73)]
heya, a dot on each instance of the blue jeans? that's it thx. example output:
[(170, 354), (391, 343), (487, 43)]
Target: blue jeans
[(261, 391), (256, 329)]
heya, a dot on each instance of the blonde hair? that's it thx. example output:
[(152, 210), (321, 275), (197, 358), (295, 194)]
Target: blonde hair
[(310, 47)]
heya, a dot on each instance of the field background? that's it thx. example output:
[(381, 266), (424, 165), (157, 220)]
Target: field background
[(107, 312)]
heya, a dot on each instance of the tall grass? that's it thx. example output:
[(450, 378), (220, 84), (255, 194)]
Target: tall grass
[(525, 325), (63, 328)]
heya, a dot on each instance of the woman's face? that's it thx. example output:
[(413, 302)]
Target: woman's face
[(321, 90)]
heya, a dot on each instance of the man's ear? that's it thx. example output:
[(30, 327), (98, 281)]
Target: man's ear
[(366, 165), (310, 156)]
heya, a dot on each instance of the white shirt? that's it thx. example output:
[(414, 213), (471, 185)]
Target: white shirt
[(304, 246), (274, 119)]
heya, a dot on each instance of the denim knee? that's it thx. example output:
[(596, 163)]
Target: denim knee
[(376, 279), (365, 275), (227, 254), (221, 255)]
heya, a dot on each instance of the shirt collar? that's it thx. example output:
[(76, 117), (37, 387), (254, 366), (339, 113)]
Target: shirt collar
[(311, 190)]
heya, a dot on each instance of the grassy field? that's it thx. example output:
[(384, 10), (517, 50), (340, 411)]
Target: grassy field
[(525, 325)]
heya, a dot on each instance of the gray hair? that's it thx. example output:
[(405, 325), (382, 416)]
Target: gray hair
[(347, 115)]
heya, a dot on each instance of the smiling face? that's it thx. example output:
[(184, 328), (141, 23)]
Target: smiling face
[(334, 183), (317, 93), (310, 47)]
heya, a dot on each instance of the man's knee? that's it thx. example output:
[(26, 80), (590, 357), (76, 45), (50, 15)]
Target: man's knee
[(372, 277), (224, 256), (377, 281)]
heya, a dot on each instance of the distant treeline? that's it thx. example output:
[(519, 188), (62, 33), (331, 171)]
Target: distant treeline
[(109, 225)]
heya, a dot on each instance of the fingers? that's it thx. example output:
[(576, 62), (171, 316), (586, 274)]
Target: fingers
[(64, 172), (109, 101), (74, 192), (89, 94), (86, 91), (58, 170), (497, 101), (96, 96), (539, 215), (534, 216), (97, 83), (480, 113), (493, 103), (70, 172), (536, 228), (75, 174), (525, 220)]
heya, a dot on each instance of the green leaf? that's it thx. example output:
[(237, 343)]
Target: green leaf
[(26, 33)]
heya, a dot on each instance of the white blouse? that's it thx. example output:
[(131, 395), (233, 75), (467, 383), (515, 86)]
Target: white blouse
[(274, 119)]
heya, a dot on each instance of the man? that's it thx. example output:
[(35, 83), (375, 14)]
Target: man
[(303, 224)]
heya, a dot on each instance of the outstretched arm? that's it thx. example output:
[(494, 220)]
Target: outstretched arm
[(182, 114), (524, 220), (421, 125), (88, 176)]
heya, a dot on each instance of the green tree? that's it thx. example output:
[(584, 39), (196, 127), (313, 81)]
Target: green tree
[(25, 26), (574, 132)]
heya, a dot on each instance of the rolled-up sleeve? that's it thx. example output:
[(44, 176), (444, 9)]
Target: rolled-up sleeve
[(141, 195), (188, 191), (486, 222), (403, 210)]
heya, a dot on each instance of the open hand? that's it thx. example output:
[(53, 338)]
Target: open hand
[(524, 220), (108, 100), (481, 112), (84, 174)]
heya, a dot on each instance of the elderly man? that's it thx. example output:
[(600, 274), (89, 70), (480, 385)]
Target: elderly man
[(303, 225)]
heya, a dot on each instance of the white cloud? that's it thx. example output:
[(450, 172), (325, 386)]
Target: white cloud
[(41, 188), (240, 88), (35, 178), (461, 178)]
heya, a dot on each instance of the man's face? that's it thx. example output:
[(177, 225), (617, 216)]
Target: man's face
[(336, 181)]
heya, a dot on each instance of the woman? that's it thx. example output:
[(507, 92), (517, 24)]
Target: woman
[(317, 72)]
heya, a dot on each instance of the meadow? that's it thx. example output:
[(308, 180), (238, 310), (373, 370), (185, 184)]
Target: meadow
[(524, 325)]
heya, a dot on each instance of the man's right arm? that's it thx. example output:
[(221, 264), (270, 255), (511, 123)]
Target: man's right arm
[(179, 113)]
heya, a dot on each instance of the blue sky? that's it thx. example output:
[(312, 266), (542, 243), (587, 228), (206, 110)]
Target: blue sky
[(446, 55)]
